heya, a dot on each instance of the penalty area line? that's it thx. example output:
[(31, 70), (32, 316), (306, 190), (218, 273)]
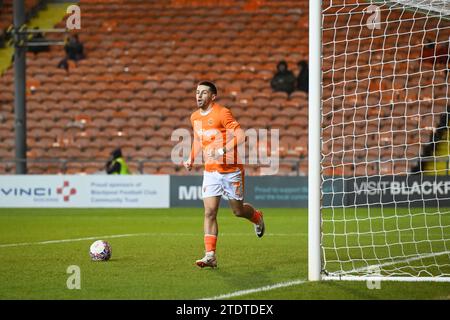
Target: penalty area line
[(71, 240), (161, 234), (256, 290)]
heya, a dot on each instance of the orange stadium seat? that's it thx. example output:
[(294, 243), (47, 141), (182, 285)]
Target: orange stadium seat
[(150, 167)]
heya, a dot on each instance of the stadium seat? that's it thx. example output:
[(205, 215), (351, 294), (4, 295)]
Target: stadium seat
[(150, 167)]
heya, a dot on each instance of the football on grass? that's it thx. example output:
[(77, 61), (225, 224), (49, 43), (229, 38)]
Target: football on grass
[(100, 251)]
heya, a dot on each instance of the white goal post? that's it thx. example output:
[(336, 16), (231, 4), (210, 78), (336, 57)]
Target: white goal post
[(379, 140)]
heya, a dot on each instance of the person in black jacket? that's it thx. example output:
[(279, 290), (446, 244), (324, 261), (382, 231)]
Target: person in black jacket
[(284, 79), (303, 76), (116, 164), (74, 51), (74, 48)]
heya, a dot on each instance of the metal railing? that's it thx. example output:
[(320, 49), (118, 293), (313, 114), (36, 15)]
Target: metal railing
[(137, 166), (142, 166)]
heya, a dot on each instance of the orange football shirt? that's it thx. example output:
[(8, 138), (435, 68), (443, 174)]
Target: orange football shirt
[(212, 131)]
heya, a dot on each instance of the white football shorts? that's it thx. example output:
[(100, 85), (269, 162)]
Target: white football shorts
[(227, 185)]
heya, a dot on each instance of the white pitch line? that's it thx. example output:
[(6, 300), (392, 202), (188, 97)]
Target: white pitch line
[(70, 240), (137, 235), (256, 290), (390, 263), (298, 282)]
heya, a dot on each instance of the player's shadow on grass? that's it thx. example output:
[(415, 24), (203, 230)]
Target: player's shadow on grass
[(256, 278)]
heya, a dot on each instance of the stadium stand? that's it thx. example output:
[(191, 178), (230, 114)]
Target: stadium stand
[(137, 83)]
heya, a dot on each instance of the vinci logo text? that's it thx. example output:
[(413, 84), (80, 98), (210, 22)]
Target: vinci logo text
[(36, 191)]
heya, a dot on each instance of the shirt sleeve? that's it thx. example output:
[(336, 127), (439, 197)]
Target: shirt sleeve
[(227, 119), (230, 123)]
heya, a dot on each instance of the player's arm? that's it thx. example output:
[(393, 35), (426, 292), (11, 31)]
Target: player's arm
[(110, 169), (195, 150), (230, 124)]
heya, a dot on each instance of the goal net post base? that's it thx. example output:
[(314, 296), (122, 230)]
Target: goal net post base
[(374, 278)]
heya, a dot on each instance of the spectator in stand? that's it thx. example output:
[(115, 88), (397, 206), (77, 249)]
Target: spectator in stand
[(284, 79), (443, 53), (74, 48), (428, 53), (436, 53), (74, 51), (303, 76), (116, 164)]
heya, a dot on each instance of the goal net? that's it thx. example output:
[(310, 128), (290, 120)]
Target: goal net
[(385, 140)]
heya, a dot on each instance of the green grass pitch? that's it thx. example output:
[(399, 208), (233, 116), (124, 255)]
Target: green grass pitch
[(154, 253)]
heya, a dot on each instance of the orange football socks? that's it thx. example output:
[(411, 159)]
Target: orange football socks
[(256, 216), (210, 242)]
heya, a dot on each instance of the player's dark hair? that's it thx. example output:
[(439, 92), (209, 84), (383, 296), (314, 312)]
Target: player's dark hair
[(210, 85)]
